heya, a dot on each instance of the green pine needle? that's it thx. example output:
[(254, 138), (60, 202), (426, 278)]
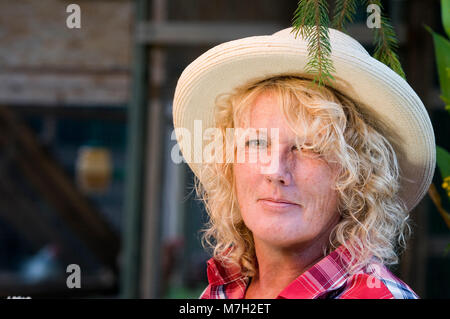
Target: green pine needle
[(386, 44), (344, 12), (311, 21)]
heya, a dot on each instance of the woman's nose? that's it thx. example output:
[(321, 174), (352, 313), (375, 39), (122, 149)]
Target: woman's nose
[(279, 173), (283, 180)]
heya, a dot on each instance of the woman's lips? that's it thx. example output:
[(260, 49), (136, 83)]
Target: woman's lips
[(277, 204)]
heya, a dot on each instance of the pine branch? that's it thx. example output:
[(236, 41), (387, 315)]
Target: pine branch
[(386, 44), (344, 12), (302, 15), (311, 21)]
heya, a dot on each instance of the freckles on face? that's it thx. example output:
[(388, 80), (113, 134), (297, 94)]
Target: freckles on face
[(295, 202)]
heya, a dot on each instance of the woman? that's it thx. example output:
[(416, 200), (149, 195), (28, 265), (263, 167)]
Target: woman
[(329, 210)]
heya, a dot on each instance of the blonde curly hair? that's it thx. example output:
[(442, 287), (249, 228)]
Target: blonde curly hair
[(374, 220)]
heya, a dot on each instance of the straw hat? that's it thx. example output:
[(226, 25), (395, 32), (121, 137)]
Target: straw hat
[(386, 96)]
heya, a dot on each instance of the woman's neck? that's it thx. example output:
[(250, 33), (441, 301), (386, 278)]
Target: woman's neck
[(277, 268)]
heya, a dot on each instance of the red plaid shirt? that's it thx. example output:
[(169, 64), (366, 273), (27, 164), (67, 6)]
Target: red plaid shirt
[(326, 279)]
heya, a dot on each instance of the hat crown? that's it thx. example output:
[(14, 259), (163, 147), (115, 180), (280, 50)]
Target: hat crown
[(337, 39)]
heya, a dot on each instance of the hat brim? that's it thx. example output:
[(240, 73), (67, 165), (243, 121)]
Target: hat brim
[(385, 95)]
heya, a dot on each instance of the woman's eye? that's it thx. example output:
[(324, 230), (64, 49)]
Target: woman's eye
[(256, 143)]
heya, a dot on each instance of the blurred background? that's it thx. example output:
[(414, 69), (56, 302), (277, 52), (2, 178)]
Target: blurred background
[(86, 176)]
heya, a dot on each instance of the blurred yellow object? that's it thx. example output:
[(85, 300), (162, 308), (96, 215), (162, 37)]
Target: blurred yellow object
[(446, 185), (93, 169), (432, 191)]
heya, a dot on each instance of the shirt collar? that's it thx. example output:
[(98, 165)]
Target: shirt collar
[(222, 274), (329, 274)]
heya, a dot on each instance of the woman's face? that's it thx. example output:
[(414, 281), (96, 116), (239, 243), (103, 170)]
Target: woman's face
[(294, 203)]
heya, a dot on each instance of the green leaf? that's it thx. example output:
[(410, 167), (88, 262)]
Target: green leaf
[(445, 10), (447, 103), (443, 161), (442, 48)]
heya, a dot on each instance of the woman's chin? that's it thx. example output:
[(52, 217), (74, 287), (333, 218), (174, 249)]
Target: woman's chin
[(284, 242)]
